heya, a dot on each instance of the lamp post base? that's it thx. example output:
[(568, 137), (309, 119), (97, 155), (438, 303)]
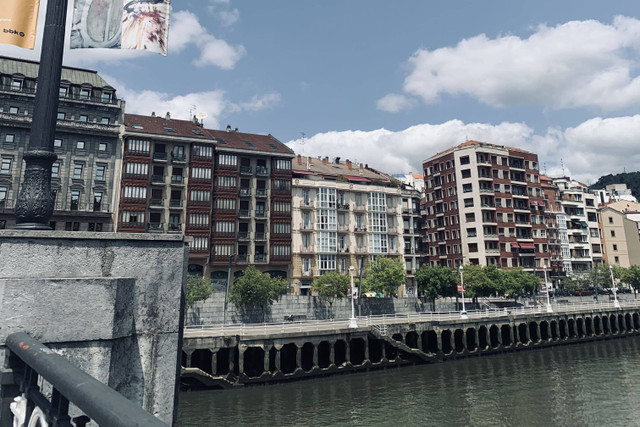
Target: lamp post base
[(616, 304), (353, 322), (463, 315), (549, 308)]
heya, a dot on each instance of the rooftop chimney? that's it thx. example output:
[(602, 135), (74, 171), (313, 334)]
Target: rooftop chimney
[(325, 160), (349, 165), (228, 128), (337, 160), (168, 116), (153, 114), (299, 159)]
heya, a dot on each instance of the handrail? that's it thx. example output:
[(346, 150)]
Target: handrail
[(385, 319), (102, 404)]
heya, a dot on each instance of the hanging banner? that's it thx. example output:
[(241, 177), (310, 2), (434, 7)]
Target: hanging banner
[(18, 22), (121, 24)]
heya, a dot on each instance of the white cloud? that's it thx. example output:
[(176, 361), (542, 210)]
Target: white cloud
[(576, 64), (226, 16), (394, 102), (594, 148), (215, 103)]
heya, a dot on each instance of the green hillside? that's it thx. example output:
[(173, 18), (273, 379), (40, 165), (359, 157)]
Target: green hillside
[(632, 179)]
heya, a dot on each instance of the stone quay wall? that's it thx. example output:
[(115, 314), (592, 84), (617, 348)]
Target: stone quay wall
[(111, 303)]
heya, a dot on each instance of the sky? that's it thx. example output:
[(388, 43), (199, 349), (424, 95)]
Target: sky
[(391, 83)]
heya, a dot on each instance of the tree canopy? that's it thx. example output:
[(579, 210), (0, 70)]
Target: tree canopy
[(196, 289), (631, 276), (436, 281), (385, 275), (256, 289), (331, 286)]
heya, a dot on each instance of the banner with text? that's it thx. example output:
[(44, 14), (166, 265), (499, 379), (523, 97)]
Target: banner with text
[(121, 24), (18, 22)]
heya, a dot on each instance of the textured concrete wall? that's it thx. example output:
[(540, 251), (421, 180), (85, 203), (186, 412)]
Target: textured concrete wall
[(110, 302), (211, 311)]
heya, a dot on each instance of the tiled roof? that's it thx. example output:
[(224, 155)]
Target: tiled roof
[(232, 140), (30, 69), (327, 167), (472, 143)]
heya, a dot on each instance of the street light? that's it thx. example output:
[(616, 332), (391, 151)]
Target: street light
[(616, 304), (546, 286), (353, 322), (463, 313)]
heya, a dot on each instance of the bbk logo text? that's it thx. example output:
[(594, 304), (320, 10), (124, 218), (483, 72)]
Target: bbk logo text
[(10, 31)]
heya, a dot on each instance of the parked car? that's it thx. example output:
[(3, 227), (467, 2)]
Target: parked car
[(583, 292), (623, 290)]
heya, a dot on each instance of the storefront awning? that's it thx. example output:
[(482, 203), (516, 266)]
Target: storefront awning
[(514, 245), (527, 246)]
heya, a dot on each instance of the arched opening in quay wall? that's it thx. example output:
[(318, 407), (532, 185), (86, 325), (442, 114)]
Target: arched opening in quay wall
[(391, 353), (446, 342), (272, 359), (340, 352), (288, 358), (307, 351), (253, 362), (505, 332), (482, 338), (430, 341), (628, 322), (202, 359), (522, 333), (324, 354), (544, 330), (533, 332), (572, 328), (613, 324), (357, 351), (458, 336), (471, 339), (411, 340), (580, 327), (554, 330), (597, 325), (375, 350), (589, 326)]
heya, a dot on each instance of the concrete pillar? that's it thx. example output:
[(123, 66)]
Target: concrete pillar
[(439, 339), (347, 350), (452, 339), (538, 331), (214, 361), (188, 362), (499, 335), (278, 359), (265, 361), (232, 354), (366, 349), (298, 356), (332, 353), (315, 355), (515, 334), (241, 350), (384, 350)]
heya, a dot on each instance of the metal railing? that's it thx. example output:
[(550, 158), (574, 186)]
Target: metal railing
[(378, 321), (29, 359)]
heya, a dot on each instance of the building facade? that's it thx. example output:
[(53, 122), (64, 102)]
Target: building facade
[(484, 206), (230, 191), (344, 215), (86, 142), (620, 233)]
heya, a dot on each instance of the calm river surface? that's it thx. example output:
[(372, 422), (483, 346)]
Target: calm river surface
[(595, 384)]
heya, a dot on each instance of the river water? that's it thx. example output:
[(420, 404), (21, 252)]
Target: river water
[(593, 384)]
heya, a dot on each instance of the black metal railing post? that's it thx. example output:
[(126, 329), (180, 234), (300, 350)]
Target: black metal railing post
[(34, 205)]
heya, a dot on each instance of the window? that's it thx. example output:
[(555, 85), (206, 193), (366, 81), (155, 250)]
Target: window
[(610, 220), (95, 226), (377, 202), (617, 259), (227, 181), (326, 263), (83, 118), (75, 200), (201, 173), (466, 173), (3, 195), (224, 250), (57, 142), (205, 152), (378, 243), (106, 96), (84, 94), (228, 160), (466, 188), (306, 266), (281, 251), (226, 204), (5, 167), (178, 152), (133, 217), (97, 201), (135, 193), (327, 198), (378, 222), (77, 170), (613, 233), (9, 137), (102, 146), (464, 160), (80, 145), (14, 110), (55, 169), (200, 196), (281, 207), (16, 84), (283, 165), (225, 227), (282, 228), (100, 172), (63, 91), (281, 185), (199, 220), (61, 115), (138, 146), (104, 121), (199, 244)]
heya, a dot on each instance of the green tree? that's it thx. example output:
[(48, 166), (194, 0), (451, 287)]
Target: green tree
[(477, 283), (631, 276), (436, 281), (518, 282), (256, 290), (495, 275), (385, 275), (331, 286), (196, 289)]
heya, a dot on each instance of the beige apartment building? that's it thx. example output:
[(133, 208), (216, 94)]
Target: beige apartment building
[(343, 214), (621, 240)]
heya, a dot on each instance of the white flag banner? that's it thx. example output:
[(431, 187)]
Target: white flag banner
[(121, 24)]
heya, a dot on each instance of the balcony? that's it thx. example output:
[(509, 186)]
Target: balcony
[(157, 179), (260, 258), (156, 202), (261, 214), (262, 170), (359, 208), (261, 192), (306, 204), (246, 170), (343, 206), (244, 192), (242, 258), (307, 249), (244, 213), (360, 229), (159, 156), (175, 227), (306, 227), (155, 227), (177, 180), (175, 203), (261, 236), (178, 158)]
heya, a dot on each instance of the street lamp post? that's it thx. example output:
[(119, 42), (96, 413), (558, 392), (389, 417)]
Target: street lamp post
[(546, 286), (616, 304), (353, 322), (463, 313)]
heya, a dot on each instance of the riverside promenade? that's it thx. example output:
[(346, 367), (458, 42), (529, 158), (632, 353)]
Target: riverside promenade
[(236, 355)]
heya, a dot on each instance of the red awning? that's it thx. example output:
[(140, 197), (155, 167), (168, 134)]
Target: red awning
[(357, 178), (514, 245), (527, 246), (302, 172)]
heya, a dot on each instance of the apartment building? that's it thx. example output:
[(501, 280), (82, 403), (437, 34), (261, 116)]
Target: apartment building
[(484, 206), (620, 233), (415, 251), (580, 207), (230, 191), (86, 143), (344, 214), (557, 235)]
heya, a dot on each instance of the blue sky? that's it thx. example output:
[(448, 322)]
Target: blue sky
[(392, 83)]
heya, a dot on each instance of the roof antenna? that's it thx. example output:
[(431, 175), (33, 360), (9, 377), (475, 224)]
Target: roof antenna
[(545, 168)]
